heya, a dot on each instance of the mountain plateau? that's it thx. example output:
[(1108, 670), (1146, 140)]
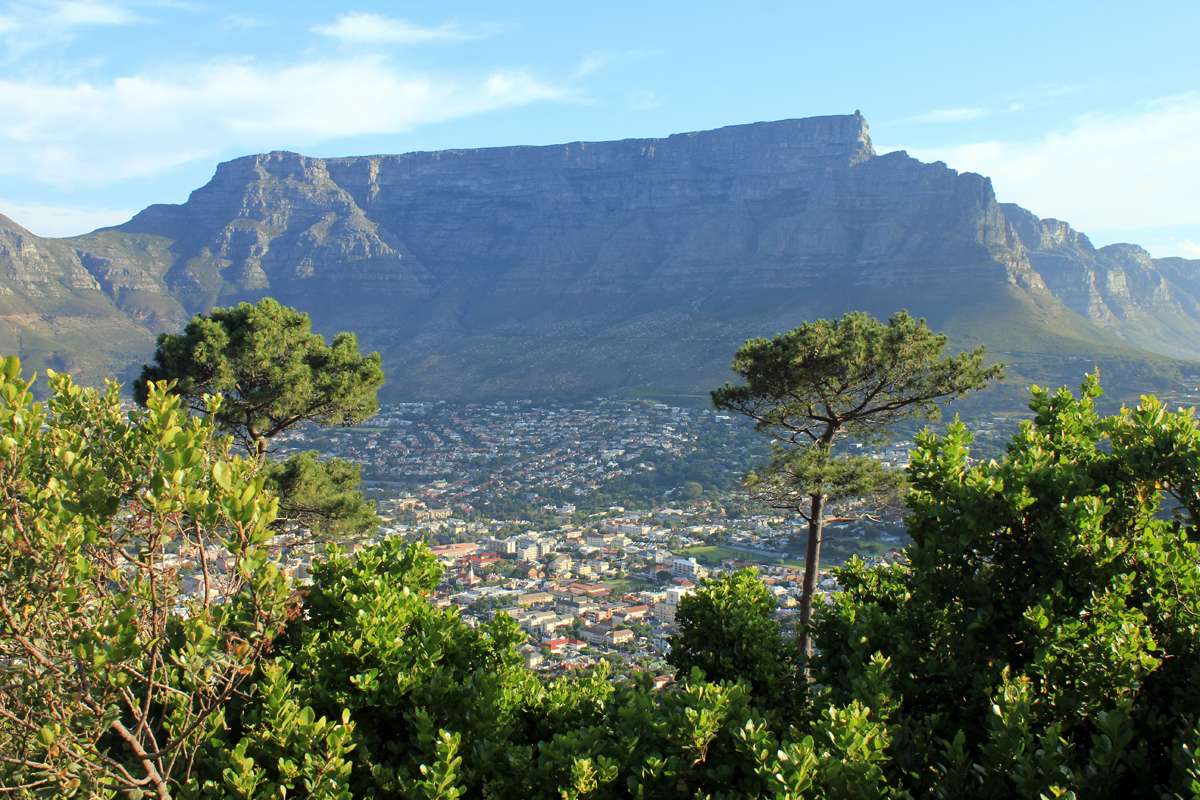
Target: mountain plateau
[(633, 267)]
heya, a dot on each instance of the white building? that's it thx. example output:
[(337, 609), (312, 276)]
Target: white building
[(665, 609), (687, 568)]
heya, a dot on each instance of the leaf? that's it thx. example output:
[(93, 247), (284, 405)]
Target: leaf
[(221, 474)]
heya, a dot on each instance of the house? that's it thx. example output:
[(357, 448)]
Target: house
[(576, 607), (430, 514), (483, 559), (632, 613), (618, 636), (562, 643), (595, 614), (591, 590), (593, 634), (529, 570)]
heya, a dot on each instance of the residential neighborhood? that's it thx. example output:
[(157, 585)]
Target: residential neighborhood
[(585, 582)]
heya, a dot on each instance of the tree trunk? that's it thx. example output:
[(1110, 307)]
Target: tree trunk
[(260, 445), (812, 564)]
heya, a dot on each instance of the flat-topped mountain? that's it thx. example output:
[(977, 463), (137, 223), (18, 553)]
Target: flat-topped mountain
[(634, 266)]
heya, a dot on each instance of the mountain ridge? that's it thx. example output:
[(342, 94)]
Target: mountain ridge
[(634, 266)]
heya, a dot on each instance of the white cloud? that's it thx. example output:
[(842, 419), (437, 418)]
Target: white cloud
[(950, 115), (643, 100), (28, 26), (1186, 249), (599, 59), (238, 22), (92, 134), (366, 27), (592, 62), (1105, 172), (74, 14), (58, 221)]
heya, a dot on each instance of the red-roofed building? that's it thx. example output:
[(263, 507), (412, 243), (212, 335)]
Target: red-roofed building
[(483, 559), (591, 590), (452, 552), (634, 612)]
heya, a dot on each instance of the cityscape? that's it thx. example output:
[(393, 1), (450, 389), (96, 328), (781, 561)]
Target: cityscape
[(514, 500)]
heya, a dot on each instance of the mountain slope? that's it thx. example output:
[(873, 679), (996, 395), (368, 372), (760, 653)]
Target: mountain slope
[(635, 266)]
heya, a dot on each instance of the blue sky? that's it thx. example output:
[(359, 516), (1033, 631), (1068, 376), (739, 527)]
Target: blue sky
[(1087, 112)]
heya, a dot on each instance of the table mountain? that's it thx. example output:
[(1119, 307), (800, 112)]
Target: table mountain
[(635, 266)]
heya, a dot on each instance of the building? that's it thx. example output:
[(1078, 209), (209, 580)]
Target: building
[(631, 529), (535, 598), (666, 608), (575, 607), (595, 539), (449, 553), (501, 546), (632, 613), (618, 636), (431, 514), (687, 568), (594, 634)]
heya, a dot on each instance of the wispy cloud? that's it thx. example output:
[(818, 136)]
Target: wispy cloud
[(1187, 249), (360, 27), (1034, 98), (643, 100), (592, 62), (27, 26), (238, 22), (599, 59), (93, 133), (950, 115), (1104, 171), (57, 221)]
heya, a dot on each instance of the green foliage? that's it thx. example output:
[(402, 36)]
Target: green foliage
[(111, 676), (373, 646), (728, 630), (440, 710), (848, 484), (273, 373), (278, 749), (827, 380), (1043, 641), (269, 367), (850, 377), (321, 495), (1047, 631)]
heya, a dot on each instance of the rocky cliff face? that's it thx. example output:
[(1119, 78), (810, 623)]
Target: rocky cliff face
[(635, 265), (1151, 303), (771, 205)]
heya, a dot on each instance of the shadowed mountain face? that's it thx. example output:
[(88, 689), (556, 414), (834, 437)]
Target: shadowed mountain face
[(589, 268)]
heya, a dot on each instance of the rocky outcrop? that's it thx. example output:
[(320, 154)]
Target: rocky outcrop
[(1152, 303), (597, 266), (71, 305)]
